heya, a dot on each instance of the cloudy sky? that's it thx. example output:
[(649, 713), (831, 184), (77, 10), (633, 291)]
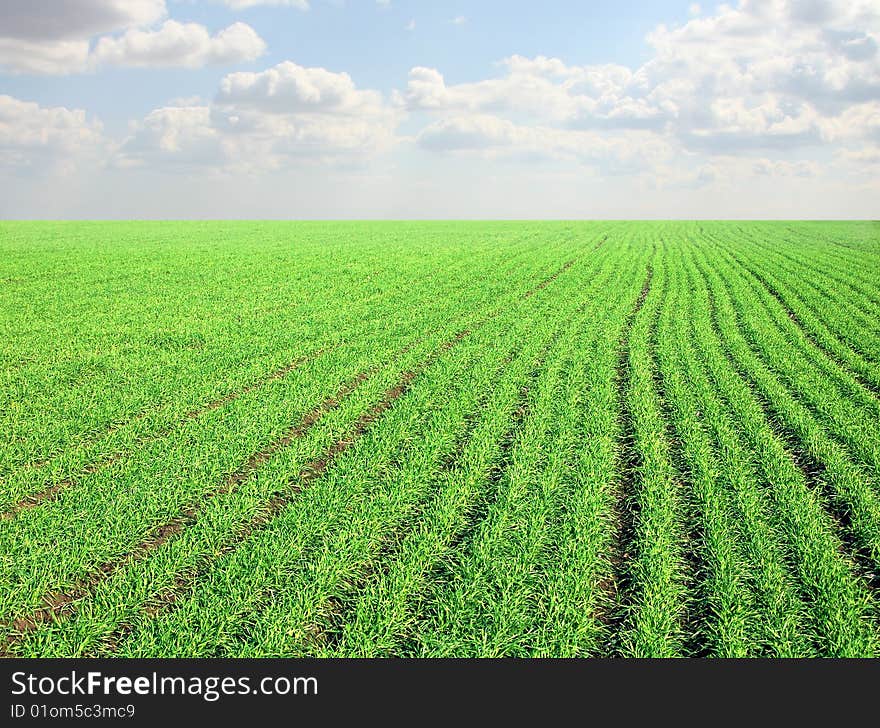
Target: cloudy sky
[(407, 109)]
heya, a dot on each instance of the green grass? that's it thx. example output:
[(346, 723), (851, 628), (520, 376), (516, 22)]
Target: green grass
[(440, 439)]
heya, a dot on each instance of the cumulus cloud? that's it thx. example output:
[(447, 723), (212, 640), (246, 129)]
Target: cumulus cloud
[(186, 45), (176, 136), (58, 57), (58, 37), (33, 137), (540, 109), (519, 90), (52, 36), (266, 120), (821, 52), (783, 74), (757, 91), (544, 89), (290, 88), (765, 77), (54, 20), (469, 132), (860, 122)]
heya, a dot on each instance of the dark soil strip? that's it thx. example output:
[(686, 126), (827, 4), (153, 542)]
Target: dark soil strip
[(848, 246), (801, 398), (618, 585), (337, 610), (697, 612), (831, 273), (547, 281), (58, 603), (813, 470), (496, 474), (471, 421), (192, 414), (187, 581), (51, 491), (463, 539), (795, 319)]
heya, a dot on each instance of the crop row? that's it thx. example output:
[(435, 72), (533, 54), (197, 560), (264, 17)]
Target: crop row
[(440, 439)]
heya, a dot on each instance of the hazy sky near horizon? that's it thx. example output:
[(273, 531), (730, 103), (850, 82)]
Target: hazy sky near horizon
[(445, 109)]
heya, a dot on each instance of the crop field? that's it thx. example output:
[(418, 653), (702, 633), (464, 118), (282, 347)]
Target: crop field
[(439, 439)]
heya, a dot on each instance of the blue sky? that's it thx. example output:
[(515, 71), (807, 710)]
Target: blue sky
[(358, 108)]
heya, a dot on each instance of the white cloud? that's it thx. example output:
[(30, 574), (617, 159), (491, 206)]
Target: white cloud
[(459, 20), (759, 95), (290, 88), (859, 123), (468, 132), (519, 91), (265, 120), (542, 88), (33, 137), (766, 78), (178, 136), (411, 25), (57, 37), (187, 45), (54, 20), (824, 53), (57, 57)]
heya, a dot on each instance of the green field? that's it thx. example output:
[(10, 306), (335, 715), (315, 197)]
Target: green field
[(440, 439)]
